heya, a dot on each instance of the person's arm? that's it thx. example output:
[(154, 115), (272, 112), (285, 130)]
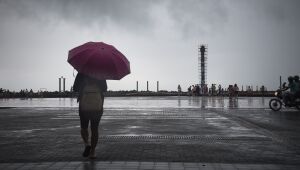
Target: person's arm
[(77, 82), (285, 89), (104, 86)]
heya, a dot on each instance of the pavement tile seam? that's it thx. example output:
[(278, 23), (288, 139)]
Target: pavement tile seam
[(177, 139)]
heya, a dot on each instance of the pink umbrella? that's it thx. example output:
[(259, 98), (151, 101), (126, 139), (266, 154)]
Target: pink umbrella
[(99, 60)]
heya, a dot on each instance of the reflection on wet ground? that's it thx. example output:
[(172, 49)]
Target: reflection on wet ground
[(227, 130), (147, 102)]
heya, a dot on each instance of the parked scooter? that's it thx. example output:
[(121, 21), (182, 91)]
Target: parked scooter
[(276, 103)]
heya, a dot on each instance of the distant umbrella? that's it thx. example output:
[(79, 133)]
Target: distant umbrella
[(99, 60)]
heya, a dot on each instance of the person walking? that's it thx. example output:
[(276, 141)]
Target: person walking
[(91, 102), (95, 62)]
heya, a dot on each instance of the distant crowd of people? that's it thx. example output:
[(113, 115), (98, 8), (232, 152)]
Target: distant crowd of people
[(233, 90), (198, 90)]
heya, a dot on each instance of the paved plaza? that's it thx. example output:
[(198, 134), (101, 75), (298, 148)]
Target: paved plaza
[(153, 138)]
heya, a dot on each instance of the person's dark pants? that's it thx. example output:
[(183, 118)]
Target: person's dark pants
[(297, 95), (288, 98), (90, 117)]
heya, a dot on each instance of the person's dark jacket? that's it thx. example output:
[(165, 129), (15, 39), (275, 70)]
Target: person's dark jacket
[(79, 83)]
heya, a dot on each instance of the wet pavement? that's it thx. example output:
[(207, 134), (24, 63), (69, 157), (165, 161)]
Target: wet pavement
[(145, 102), (235, 133), (134, 165)]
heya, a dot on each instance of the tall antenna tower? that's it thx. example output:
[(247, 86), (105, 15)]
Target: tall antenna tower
[(202, 66)]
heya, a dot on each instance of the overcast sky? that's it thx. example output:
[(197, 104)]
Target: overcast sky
[(249, 42)]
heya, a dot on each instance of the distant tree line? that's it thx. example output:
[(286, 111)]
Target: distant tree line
[(25, 93)]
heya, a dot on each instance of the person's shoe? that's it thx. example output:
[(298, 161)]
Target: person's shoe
[(86, 151), (92, 155)]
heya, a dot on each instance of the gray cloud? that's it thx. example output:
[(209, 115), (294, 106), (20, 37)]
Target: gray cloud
[(190, 17), (273, 10), (196, 17), (128, 14)]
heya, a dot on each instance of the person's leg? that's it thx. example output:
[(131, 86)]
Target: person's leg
[(293, 96), (94, 134), (85, 136), (95, 120), (84, 122), (297, 95), (284, 97), (94, 141), (287, 98)]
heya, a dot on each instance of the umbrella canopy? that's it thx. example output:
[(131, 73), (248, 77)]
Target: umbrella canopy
[(99, 60)]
